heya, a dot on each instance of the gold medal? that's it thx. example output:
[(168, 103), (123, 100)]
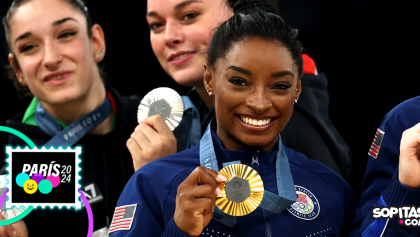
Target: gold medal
[(242, 192), (163, 101)]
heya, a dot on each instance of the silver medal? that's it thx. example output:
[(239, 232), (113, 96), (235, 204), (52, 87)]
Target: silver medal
[(163, 101)]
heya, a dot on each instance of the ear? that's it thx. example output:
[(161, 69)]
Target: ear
[(98, 42), (18, 72), (208, 78), (298, 89)]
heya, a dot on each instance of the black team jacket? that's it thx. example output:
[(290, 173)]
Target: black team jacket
[(106, 167)]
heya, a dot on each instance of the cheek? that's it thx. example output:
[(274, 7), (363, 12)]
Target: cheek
[(158, 46), (198, 37)]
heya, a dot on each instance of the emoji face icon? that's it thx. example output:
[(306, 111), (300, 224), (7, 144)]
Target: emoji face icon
[(30, 186)]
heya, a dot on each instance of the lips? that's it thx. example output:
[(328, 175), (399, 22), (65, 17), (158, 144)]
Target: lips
[(256, 123), (56, 76), (180, 55)]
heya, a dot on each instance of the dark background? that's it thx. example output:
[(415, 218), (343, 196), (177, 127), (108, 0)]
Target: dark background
[(368, 50)]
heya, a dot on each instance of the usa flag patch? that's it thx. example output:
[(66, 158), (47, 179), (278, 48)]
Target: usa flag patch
[(376, 144), (123, 218)]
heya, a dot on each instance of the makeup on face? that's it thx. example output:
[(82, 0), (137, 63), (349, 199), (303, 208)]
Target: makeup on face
[(254, 87)]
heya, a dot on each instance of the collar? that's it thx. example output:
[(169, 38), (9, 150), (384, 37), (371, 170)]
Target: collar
[(266, 159), (29, 115)]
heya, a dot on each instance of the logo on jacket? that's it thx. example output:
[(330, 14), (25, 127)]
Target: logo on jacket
[(306, 207)]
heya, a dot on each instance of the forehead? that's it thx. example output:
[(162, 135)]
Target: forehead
[(258, 53), (167, 6), (40, 14)]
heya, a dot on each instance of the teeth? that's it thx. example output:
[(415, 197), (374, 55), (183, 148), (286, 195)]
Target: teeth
[(255, 122), (182, 56), (56, 78)]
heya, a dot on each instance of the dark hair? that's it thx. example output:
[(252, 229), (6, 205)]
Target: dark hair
[(23, 91), (251, 19)]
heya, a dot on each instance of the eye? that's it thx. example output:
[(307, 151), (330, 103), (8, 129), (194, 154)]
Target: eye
[(237, 81), (67, 34), (155, 26), (282, 86), (27, 47), (189, 16)]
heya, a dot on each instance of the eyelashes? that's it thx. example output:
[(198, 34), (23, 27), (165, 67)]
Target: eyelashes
[(241, 82), (237, 81), (67, 34), (63, 36)]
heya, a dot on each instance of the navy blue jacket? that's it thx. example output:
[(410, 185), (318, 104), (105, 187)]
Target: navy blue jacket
[(381, 177), (154, 187)]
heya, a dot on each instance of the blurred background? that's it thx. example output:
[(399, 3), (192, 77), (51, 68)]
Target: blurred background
[(367, 49)]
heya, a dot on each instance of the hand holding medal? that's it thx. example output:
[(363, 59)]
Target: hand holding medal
[(195, 200), (159, 112)]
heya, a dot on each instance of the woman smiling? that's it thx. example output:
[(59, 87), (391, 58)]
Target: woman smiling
[(54, 51), (253, 70)]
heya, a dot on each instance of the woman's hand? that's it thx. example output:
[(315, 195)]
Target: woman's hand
[(195, 200), (147, 144), (409, 164), (17, 229)]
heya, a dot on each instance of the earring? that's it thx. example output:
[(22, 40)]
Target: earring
[(20, 80), (296, 100), (210, 93), (100, 55)]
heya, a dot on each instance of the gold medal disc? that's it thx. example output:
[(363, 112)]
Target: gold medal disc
[(242, 192), (163, 101)]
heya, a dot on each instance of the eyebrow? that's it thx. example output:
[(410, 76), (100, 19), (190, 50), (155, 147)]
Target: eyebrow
[(176, 8), (55, 23), (282, 73), (274, 74), (239, 69)]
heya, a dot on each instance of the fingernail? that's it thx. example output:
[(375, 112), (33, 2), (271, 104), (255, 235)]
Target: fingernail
[(16, 234), (219, 192), (221, 177)]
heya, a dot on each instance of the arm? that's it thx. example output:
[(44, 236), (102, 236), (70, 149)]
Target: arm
[(193, 211), (382, 186)]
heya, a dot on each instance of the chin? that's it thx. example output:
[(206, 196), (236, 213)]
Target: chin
[(187, 77), (256, 140)]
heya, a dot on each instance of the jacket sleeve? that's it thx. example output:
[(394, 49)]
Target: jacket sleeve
[(381, 186), (148, 220)]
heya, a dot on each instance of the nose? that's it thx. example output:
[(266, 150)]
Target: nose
[(173, 34), (52, 57), (259, 101)]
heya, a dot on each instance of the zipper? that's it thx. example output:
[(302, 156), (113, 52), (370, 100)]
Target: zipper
[(255, 164), (255, 155)]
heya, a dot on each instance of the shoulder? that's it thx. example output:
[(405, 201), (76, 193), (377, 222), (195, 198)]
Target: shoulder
[(156, 179), (165, 169), (314, 173), (405, 114)]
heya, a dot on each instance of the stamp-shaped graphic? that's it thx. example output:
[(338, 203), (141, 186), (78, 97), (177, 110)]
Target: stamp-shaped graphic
[(41, 177)]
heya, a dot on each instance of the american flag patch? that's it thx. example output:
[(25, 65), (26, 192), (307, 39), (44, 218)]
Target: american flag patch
[(123, 218), (376, 144)]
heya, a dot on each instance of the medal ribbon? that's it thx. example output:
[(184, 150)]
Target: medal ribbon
[(75, 131), (271, 202)]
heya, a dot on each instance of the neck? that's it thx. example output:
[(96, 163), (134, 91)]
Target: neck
[(208, 100), (70, 111)]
